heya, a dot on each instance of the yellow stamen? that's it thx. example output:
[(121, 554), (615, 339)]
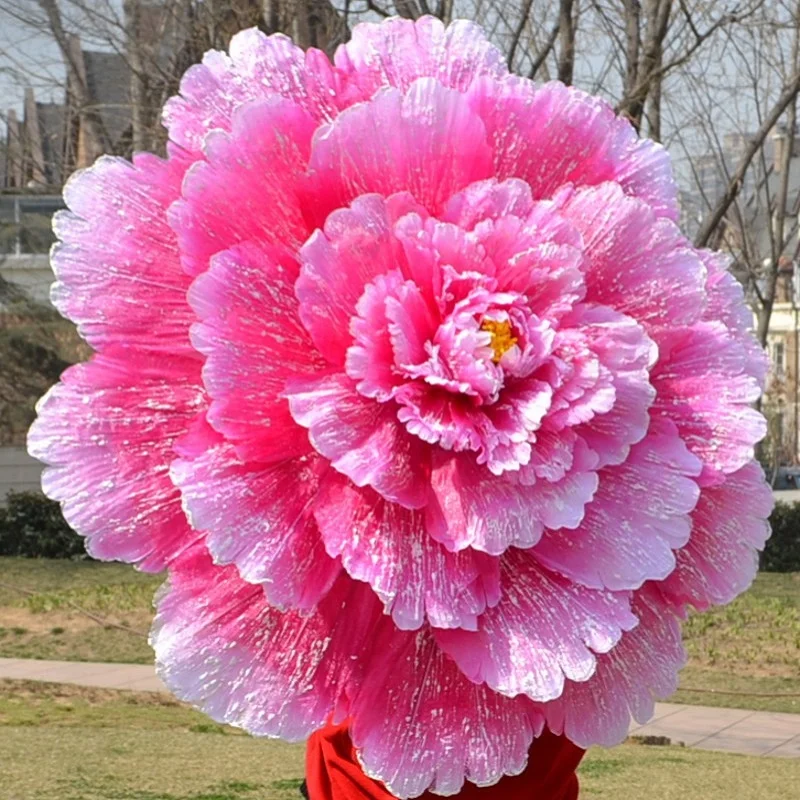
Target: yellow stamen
[(502, 339)]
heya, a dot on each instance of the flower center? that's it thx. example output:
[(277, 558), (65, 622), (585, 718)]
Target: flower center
[(502, 338)]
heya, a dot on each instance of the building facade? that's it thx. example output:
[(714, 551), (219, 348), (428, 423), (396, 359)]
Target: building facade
[(781, 404)]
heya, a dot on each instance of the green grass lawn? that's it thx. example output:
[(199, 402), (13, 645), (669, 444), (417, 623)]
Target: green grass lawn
[(751, 646), (39, 617), (69, 743)]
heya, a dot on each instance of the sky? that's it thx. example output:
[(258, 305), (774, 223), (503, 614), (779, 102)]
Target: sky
[(24, 50)]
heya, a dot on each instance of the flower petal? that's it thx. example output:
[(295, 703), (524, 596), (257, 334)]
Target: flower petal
[(107, 431), (726, 304), (729, 526), (623, 348), (642, 668), (638, 516), (490, 199), (417, 721), (118, 271), (253, 340), (388, 547), (247, 188), (354, 247), (626, 245), (544, 630), (553, 135), (426, 141), (260, 519), (704, 384), (424, 725), (258, 67), (534, 250), (470, 507), (398, 51), (221, 647), (362, 439), (540, 256)]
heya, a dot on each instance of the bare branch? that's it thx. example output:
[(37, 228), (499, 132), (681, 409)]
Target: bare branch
[(523, 21), (544, 52), (788, 96), (371, 6)]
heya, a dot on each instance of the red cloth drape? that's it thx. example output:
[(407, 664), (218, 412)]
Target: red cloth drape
[(333, 773)]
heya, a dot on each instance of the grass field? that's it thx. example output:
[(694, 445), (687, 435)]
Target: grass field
[(68, 743), (751, 646), (39, 617)]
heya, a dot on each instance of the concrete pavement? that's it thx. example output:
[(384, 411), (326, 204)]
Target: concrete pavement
[(732, 730), (757, 733), (135, 677)]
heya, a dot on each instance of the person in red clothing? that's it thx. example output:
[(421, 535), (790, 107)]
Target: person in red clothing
[(333, 772)]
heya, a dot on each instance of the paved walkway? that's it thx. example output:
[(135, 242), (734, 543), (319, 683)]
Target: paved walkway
[(757, 733), (139, 677)]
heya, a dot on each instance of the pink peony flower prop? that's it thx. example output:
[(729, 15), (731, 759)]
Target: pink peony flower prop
[(407, 376)]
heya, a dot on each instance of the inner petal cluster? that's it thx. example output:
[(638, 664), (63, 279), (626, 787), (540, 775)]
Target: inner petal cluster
[(470, 356)]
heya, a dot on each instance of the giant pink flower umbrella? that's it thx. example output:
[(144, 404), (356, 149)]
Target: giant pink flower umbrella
[(407, 376)]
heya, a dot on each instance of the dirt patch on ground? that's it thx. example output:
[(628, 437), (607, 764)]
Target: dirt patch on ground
[(41, 691), (65, 635), (11, 617)]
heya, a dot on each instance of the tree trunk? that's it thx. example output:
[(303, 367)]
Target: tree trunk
[(778, 216), (654, 102), (633, 13), (647, 76), (271, 13), (310, 23), (566, 35), (140, 124), (652, 61)]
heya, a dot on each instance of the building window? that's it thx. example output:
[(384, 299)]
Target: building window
[(779, 359)]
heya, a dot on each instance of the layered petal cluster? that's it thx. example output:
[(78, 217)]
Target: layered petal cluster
[(407, 376)]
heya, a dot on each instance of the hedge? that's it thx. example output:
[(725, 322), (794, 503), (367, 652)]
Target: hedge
[(32, 526), (782, 553)]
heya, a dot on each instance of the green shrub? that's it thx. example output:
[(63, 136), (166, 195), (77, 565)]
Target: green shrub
[(32, 526), (782, 553)]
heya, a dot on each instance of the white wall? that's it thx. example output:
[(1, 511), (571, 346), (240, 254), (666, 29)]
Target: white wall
[(31, 273), (18, 472)]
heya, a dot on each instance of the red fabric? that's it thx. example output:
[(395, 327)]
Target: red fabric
[(333, 773)]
